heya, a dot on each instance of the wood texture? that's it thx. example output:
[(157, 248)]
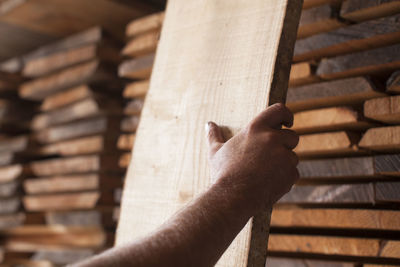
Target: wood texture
[(350, 39), (328, 144), (329, 119), (361, 10), (138, 68), (142, 45), (125, 142), (288, 262), (385, 109), (351, 91), (328, 245), (243, 51), (301, 74), (66, 97), (90, 72), (98, 217), (386, 139), (375, 61), (337, 218), (136, 89), (393, 83), (130, 124), (387, 192), (145, 24)]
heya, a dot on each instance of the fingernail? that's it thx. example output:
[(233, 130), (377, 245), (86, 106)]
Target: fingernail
[(207, 127)]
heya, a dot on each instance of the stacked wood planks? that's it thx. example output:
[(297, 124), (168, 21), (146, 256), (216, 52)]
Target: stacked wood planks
[(142, 38), (73, 179), (344, 211)]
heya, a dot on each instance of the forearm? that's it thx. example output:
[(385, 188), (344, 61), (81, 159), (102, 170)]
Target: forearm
[(195, 236)]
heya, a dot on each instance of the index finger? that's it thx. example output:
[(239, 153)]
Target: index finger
[(273, 117)]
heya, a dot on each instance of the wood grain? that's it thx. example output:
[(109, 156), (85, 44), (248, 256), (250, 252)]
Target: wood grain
[(361, 10), (236, 47), (386, 139), (384, 109)]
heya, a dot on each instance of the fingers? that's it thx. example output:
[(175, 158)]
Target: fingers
[(214, 137), (273, 117), (289, 138)]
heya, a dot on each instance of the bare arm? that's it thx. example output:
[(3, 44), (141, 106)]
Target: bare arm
[(252, 170)]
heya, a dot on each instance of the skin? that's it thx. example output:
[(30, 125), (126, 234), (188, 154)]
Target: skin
[(252, 170)]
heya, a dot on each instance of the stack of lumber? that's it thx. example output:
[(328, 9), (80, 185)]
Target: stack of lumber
[(344, 211), (142, 38), (78, 93)]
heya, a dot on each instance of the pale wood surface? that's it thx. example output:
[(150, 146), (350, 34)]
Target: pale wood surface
[(136, 89), (145, 24), (385, 139), (234, 65)]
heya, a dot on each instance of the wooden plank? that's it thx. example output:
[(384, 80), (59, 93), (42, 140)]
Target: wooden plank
[(393, 83), (125, 141), (145, 24), (65, 256), (136, 89), (329, 119), (83, 128), (99, 217), (80, 146), (328, 144), (56, 237), (124, 160), (138, 68), (337, 218), (86, 108), (10, 205), (327, 245), (354, 38), (386, 139), (66, 201), (134, 107), (130, 124), (330, 194), (56, 19), (288, 262), (354, 167), (11, 173), (319, 19), (313, 3), (71, 183), (11, 220), (361, 10), (57, 61), (375, 61), (240, 44), (387, 192), (353, 91), (90, 72), (70, 165), (67, 97), (385, 109), (9, 189), (142, 45), (301, 74)]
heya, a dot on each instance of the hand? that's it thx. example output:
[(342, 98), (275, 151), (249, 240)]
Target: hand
[(257, 166)]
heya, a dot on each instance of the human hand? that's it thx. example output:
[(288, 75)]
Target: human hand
[(257, 166)]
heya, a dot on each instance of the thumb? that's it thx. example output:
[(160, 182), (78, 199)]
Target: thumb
[(214, 137)]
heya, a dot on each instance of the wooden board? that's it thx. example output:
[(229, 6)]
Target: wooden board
[(328, 245), (138, 68), (337, 218), (125, 142), (130, 124), (329, 119), (328, 144), (89, 72), (288, 262), (376, 61), (353, 91), (384, 109), (238, 45), (97, 217), (330, 194), (301, 74), (387, 192), (361, 10), (393, 83), (134, 107), (350, 168), (136, 89), (142, 45), (145, 24), (350, 39), (386, 139)]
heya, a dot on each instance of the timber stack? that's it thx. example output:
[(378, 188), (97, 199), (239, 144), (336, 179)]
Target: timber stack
[(344, 87), (73, 179), (142, 39)]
